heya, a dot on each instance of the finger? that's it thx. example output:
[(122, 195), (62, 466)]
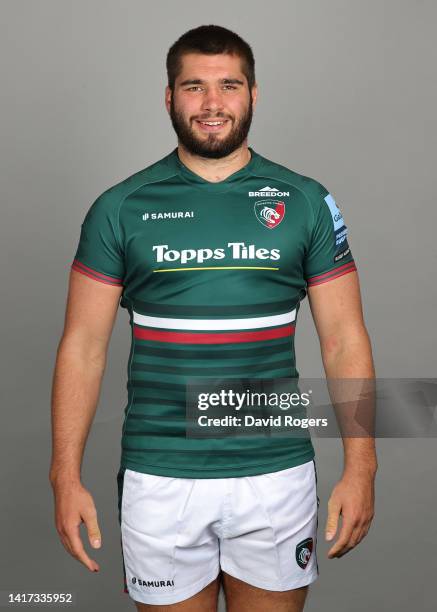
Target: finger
[(360, 532), (332, 520), (366, 529), (92, 527), (66, 544), (354, 540), (343, 538), (344, 552), (62, 533), (78, 550)]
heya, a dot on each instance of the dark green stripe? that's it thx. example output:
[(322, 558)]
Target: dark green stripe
[(214, 370), (205, 311), (155, 400), (158, 417), (151, 432), (254, 451), (168, 433), (180, 414), (216, 354), (176, 387), (150, 384)]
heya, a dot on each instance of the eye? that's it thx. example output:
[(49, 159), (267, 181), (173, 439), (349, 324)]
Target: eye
[(198, 87)]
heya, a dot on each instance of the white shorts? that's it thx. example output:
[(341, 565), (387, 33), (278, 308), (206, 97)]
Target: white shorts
[(177, 533)]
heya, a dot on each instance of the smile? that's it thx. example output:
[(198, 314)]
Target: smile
[(211, 126)]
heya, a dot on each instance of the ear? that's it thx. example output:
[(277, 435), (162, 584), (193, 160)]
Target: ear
[(168, 94), (254, 94)]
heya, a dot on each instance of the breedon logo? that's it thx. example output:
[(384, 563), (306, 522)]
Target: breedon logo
[(268, 192)]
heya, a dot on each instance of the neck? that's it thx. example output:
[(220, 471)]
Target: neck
[(215, 170)]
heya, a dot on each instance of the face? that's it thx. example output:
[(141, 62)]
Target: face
[(211, 88)]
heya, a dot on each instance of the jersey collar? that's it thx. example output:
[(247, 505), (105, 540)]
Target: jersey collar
[(199, 182)]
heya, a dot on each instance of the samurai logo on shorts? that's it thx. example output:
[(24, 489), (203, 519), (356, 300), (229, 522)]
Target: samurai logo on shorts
[(269, 212), (303, 552)]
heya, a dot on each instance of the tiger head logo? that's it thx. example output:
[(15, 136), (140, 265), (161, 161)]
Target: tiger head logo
[(303, 552), (269, 212)]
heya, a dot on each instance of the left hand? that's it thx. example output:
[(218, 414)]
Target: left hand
[(353, 497)]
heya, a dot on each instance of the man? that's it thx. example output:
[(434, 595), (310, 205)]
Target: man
[(211, 250)]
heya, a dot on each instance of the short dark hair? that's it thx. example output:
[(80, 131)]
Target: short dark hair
[(211, 40)]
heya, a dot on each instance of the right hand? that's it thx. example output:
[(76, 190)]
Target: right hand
[(74, 505)]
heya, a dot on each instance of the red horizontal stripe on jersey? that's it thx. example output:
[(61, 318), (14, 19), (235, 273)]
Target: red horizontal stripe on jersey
[(104, 278), (146, 333), (327, 276)]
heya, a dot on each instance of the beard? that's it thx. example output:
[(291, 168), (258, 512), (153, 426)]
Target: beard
[(213, 146)]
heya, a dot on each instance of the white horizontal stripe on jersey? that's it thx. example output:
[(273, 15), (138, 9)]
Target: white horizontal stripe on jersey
[(214, 324)]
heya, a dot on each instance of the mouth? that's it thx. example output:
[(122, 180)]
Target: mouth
[(212, 126)]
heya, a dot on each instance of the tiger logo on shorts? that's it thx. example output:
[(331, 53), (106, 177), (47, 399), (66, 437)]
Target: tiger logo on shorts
[(303, 552)]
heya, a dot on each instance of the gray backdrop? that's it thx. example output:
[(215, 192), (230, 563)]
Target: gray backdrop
[(347, 96)]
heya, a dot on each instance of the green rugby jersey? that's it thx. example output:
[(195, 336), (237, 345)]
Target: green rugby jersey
[(213, 275)]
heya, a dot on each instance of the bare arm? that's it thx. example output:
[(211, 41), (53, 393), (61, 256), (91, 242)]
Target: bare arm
[(80, 363), (346, 353)]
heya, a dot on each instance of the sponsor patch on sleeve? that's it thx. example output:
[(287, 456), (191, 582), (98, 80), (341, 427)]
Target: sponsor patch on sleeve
[(339, 255), (337, 217), (341, 248), (341, 236)]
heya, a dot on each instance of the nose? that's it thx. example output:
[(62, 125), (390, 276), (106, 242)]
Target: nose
[(212, 101)]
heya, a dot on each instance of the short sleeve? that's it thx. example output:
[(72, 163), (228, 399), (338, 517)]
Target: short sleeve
[(99, 254), (328, 255)]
